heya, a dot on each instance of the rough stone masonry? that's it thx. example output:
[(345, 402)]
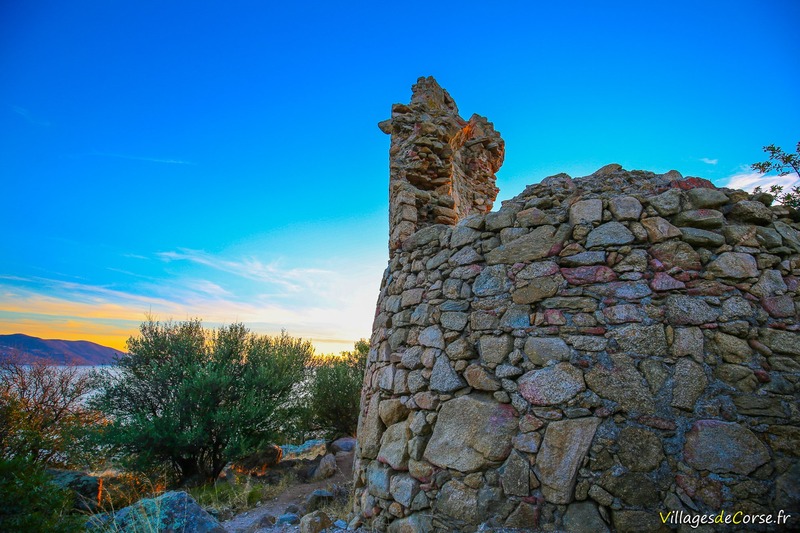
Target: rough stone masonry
[(599, 350)]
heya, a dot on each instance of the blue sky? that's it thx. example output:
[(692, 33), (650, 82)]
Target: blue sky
[(222, 161)]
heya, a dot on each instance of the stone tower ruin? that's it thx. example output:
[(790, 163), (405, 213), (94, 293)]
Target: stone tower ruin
[(595, 355)]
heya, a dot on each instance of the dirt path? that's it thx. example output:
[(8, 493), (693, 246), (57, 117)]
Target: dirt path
[(295, 494)]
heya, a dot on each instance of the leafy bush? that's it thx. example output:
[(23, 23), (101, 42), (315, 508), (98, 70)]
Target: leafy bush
[(335, 391), (193, 399), (30, 502), (43, 415), (784, 163)]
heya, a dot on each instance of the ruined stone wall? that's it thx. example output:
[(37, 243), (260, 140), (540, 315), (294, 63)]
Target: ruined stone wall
[(597, 351), (441, 166)]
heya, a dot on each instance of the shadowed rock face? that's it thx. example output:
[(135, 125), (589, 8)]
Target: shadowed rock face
[(442, 167), (598, 350)]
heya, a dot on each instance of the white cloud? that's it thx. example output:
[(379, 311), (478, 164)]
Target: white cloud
[(709, 161), (750, 180), (332, 307), (24, 113)]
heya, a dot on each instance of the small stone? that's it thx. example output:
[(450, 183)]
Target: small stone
[(493, 349), (676, 254), (432, 336), (315, 522), (527, 442), (734, 265), (642, 340), (491, 281), (659, 230), (664, 282), (752, 212), (702, 197), (702, 238), (700, 218), (586, 211), (392, 411), (609, 234), (544, 350), (687, 310), (667, 203), (625, 207), (515, 475), (640, 450), (478, 378), (551, 385), (565, 445), (589, 274), (403, 489), (689, 383), (394, 446), (721, 447), (621, 383), (542, 242), (444, 378)]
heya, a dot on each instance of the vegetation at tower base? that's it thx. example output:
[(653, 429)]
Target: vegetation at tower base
[(193, 399), (43, 416), (598, 350), (335, 392)]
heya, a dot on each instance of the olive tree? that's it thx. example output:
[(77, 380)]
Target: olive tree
[(193, 399)]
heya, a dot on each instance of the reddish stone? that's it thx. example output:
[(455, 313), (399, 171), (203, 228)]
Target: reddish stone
[(595, 330), (657, 422), (707, 490), (702, 287), (779, 306), (554, 317), (588, 274), (692, 183), (665, 282), (762, 376), (603, 412)]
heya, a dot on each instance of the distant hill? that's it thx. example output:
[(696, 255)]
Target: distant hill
[(56, 351)]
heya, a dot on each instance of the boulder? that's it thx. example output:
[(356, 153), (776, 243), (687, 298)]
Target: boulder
[(325, 469), (318, 499), (310, 449), (470, 432), (86, 488), (172, 511), (315, 522), (343, 444), (721, 447)]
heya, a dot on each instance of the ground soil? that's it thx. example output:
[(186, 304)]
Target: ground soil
[(295, 494)]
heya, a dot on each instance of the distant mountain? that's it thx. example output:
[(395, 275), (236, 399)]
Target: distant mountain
[(56, 351)]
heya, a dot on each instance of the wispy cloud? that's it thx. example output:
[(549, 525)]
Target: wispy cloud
[(164, 160), (749, 180), (24, 113), (331, 307), (709, 161), (290, 279)]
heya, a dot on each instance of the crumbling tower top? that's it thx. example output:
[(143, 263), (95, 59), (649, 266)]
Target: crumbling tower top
[(442, 167)]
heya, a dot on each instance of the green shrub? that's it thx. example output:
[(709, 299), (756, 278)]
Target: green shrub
[(193, 399), (29, 502), (335, 392)]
